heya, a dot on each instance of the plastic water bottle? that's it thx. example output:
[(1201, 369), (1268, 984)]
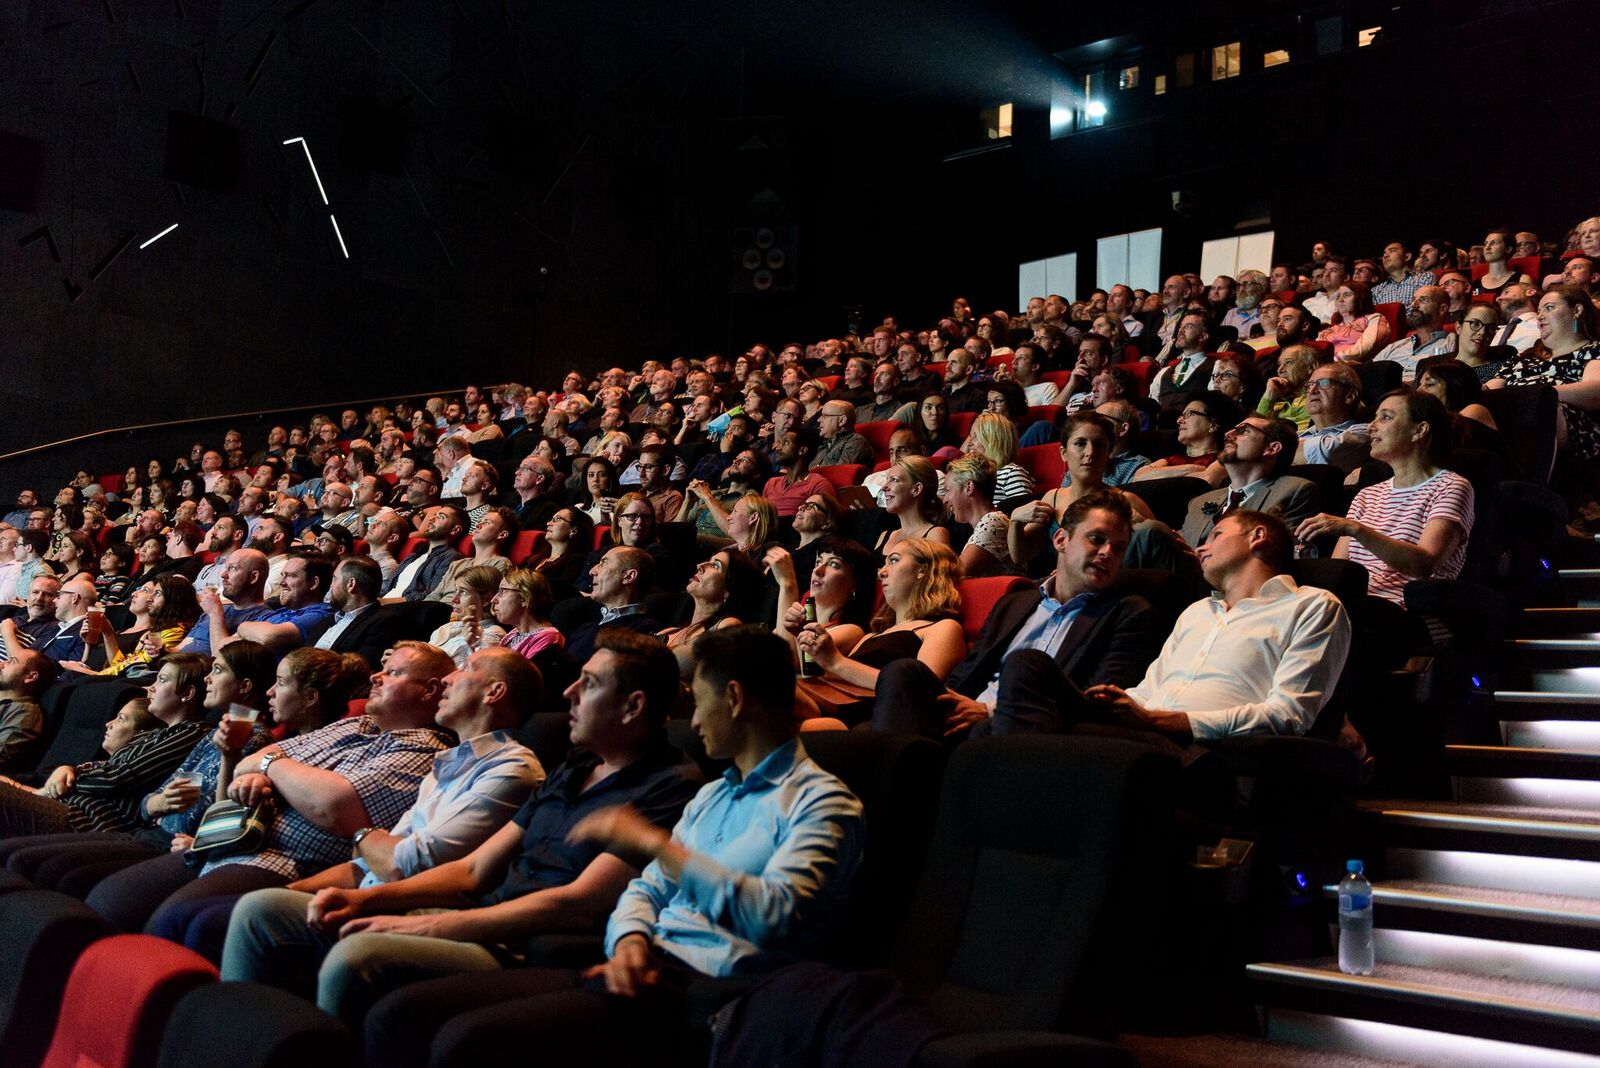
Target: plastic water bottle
[(1355, 921)]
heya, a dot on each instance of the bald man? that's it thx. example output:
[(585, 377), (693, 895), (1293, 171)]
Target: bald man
[(244, 584), (21, 721), (840, 442)]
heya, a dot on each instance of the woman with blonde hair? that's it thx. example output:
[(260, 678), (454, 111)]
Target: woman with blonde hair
[(969, 494), (920, 618), (995, 438), (522, 604), (472, 624), (911, 497), (751, 523)]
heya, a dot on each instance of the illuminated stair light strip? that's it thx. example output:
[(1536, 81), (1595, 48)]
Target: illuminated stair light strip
[(159, 236)]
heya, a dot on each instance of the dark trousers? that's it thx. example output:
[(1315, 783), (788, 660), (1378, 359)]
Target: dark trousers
[(25, 813), (466, 1021), (73, 863), (1035, 697)]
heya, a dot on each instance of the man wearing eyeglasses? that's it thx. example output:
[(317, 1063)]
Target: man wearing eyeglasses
[(840, 442), (55, 618), (1257, 455), (1430, 308), (655, 463), (1335, 436)]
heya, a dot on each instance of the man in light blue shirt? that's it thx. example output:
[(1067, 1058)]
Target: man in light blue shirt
[(751, 877)]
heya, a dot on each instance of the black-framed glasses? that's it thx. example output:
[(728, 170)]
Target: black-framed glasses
[(1476, 324), (1248, 428)]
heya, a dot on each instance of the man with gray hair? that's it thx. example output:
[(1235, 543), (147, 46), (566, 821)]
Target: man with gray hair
[(1246, 310), (836, 425)]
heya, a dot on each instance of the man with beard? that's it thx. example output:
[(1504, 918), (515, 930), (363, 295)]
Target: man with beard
[(1428, 337), (360, 624), (1457, 286), (226, 536), (244, 580), (885, 398), (274, 534), (424, 569), (1246, 311), (793, 452), (964, 394), (302, 615), (1257, 455)]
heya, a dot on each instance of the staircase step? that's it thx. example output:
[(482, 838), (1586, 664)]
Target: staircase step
[(1535, 704), (1512, 915), (1488, 828), (1491, 871), (1232, 1051), (1532, 653), (1576, 679), (1344, 1042), (1504, 761), (1441, 999), (1553, 622)]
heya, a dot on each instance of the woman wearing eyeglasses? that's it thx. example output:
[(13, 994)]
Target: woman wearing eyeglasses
[(1201, 425), (1357, 330), (1474, 335), (632, 524)]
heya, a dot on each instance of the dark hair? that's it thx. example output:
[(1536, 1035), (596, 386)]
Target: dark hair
[(758, 660), (1016, 399), (643, 664), (1222, 410), (1103, 499), (1582, 308), (252, 662), (1460, 382), (124, 554), (1088, 417), (367, 574), (1286, 434), (37, 540), (190, 671), (1278, 550), (179, 608), (585, 498), (1426, 408), (318, 569), (863, 565), (806, 438), (339, 533), (744, 586)]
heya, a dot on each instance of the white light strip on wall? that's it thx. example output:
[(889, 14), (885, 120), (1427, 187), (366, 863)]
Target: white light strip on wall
[(340, 236), (159, 236)]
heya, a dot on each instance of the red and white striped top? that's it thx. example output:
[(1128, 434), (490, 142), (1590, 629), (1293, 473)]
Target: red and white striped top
[(1402, 513)]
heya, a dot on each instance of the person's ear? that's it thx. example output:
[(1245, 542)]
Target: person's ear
[(733, 692)]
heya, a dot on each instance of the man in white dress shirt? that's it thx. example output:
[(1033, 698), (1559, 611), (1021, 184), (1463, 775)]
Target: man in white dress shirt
[(1261, 655)]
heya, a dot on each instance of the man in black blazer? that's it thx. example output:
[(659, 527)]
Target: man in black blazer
[(1036, 652), (362, 625)]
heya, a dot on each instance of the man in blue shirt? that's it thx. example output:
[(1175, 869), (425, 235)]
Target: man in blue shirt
[(1071, 631), (354, 941), (242, 592), (751, 877), (303, 613)]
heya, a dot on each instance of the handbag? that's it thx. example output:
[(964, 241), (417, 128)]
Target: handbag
[(229, 829)]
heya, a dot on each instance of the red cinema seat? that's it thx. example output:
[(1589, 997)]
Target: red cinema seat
[(980, 595), (117, 1002), (464, 546), (356, 707), (1056, 378), (1142, 371), (112, 483), (526, 544), (998, 361), (1047, 413), (961, 423), (1044, 463), (878, 434), (1395, 312), (935, 369), (412, 544), (829, 382), (842, 475), (602, 535)]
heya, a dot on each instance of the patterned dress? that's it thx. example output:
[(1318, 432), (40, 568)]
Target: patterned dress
[(1530, 369)]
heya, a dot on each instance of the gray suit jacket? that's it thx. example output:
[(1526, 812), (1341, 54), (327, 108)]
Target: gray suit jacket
[(1292, 498)]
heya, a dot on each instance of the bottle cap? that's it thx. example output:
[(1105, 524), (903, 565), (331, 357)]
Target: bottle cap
[(1354, 867)]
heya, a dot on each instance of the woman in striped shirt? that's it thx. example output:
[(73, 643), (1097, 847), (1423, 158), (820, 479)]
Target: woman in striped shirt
[(1416, 524)]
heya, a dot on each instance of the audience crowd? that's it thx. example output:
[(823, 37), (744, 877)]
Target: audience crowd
[(955, 530)]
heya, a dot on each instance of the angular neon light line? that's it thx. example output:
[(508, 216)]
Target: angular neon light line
[(301, 141), (159, 236), (340, 236)]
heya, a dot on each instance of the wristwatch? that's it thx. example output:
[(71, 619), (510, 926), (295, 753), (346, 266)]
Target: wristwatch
[(355, 841), (266, 762)]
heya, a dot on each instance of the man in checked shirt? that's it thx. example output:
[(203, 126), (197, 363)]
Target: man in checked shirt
[(355, 773)]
